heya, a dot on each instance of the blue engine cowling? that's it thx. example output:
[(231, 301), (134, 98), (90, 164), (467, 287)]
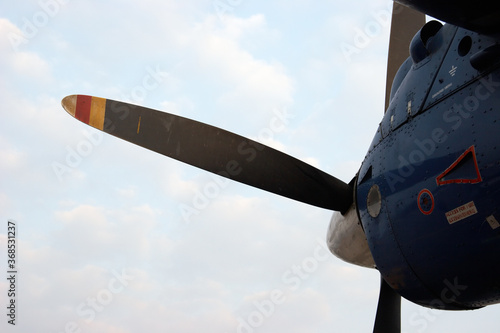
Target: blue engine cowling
[(428, 191)]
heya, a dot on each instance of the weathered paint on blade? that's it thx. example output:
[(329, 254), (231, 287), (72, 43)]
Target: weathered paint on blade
[(88, 109), (69, 104)]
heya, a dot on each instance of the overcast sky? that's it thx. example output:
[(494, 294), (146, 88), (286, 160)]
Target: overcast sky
[(104, 240)]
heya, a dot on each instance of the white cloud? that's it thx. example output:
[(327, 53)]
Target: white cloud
[(27, 64), (89, 231), (11, 158), (252, 86), (30, 65)]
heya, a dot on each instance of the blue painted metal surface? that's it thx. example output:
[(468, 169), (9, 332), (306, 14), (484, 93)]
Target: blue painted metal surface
[(436, 161)]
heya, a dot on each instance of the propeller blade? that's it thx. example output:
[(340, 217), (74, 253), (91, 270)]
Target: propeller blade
[(405, 23), (213, 149), (388, 318)]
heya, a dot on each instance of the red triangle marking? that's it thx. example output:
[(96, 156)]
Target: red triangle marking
[(478, 179)]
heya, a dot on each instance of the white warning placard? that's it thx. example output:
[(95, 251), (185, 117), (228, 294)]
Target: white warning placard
[(462, 212)]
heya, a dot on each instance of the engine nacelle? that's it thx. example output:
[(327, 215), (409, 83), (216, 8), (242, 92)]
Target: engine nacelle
[(428, 191)]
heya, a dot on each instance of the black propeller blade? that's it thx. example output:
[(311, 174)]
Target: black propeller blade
[(405, 23), (213, 149), (388, 318)]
